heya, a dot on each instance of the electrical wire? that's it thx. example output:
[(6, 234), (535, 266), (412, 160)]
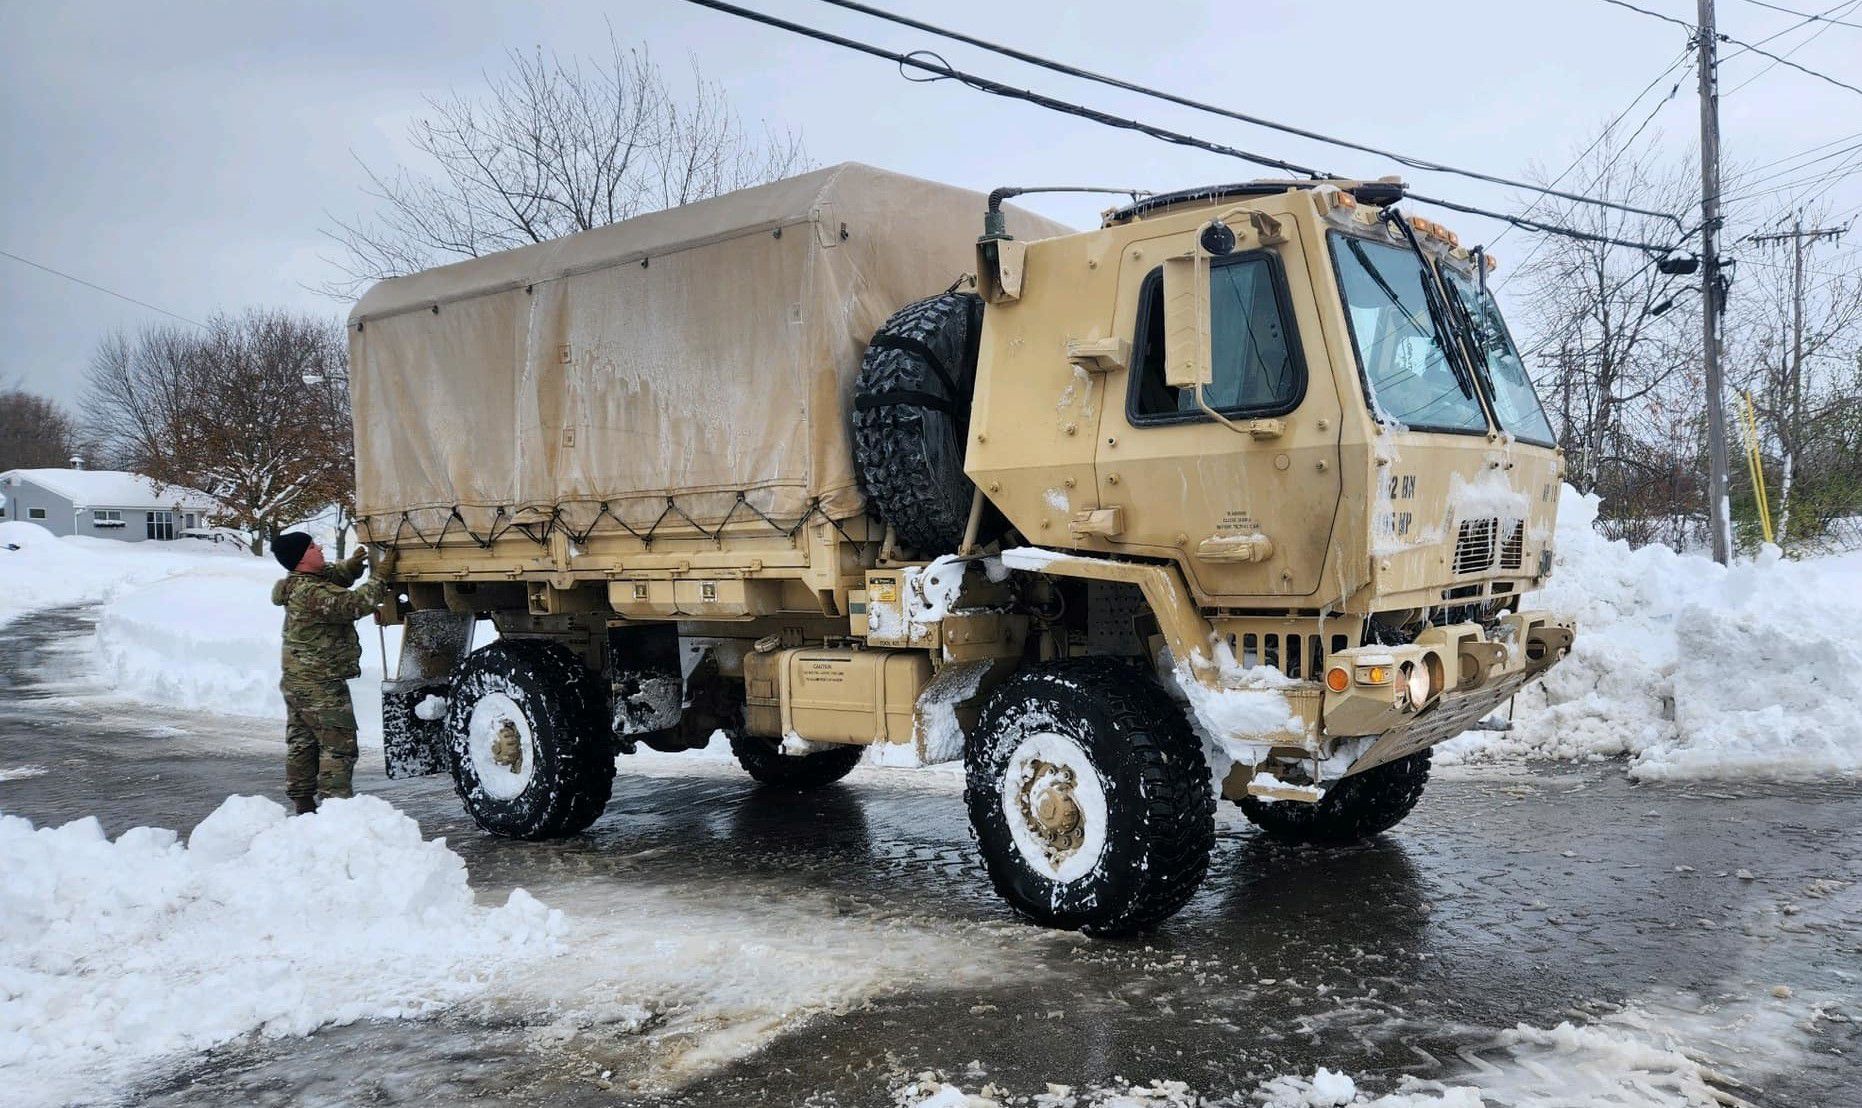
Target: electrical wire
[(1749, 189), (1745, 46), (1653, 15), (1602, 171), (1684, 56), (1813, 37), (941, 69), (1227, 113), (1805, 15), (100, 288), (1788, 63)]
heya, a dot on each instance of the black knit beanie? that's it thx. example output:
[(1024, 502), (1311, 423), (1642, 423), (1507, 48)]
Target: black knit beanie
[(289, 548)]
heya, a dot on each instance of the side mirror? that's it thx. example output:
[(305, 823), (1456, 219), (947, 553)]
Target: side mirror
[(1187, 356)]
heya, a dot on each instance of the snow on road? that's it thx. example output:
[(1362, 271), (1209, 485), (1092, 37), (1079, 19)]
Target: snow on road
[(114, 953), (1654, 1055), (117, 955)]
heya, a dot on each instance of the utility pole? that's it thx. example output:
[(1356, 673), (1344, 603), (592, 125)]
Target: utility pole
[(1713, 287), (1793, 399)]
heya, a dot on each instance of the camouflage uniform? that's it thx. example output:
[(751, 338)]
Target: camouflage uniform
[(321, 653)]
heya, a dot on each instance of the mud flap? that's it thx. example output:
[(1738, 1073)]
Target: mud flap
[(432, 643)]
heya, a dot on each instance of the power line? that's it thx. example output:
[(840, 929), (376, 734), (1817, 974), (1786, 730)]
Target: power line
[(1818, 33), (1653, 15), (1755, 186), (941, 69), (1805, 15), (1227, 113), (1745, 47), (1605, 133), (1793, 65), (100, 288), (1686, 55)]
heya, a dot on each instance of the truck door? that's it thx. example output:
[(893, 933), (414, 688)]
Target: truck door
[(1246, 504)]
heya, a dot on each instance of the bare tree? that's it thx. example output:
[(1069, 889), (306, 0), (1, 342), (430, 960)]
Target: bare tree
[(34, 432), (243, 410), (1795, 335), (552, 147), (1615, 345)]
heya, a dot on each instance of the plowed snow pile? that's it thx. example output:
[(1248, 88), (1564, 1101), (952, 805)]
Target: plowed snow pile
[(120, 957), (114, 953), (1690, 668), (40, 570)]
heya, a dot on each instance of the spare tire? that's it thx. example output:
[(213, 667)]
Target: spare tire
[(911, 416)]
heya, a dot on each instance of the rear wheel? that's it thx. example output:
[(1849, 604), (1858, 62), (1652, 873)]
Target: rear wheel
[(1356, 808), (766, 762), (1090, 797), (529, 740)]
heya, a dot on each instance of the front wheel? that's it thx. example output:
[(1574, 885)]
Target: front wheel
[(1355, 808), (529, 740), (1090, 797)]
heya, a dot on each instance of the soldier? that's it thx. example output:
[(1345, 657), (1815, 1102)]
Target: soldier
[(321, 653)]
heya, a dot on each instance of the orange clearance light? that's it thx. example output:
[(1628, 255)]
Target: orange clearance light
[(1344, 199), (1373, 675), (1337, 679)]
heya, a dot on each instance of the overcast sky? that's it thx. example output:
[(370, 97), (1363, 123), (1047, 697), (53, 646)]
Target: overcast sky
[(189, 154)]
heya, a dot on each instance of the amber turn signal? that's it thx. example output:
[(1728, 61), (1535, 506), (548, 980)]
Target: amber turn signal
[(1337, 679)]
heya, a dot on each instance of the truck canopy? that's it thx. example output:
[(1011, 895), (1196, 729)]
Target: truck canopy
[(692, 365)]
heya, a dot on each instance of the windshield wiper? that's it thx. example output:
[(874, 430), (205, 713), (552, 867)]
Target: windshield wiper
[(1438, 312), (1476, 333)]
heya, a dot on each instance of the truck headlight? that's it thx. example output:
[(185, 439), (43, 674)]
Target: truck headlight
[(1416, 683)]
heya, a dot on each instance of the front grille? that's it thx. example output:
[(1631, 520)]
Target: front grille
[(1474, 545), (1513, 550)]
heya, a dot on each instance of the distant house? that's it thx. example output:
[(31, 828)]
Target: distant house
[(103, 503)]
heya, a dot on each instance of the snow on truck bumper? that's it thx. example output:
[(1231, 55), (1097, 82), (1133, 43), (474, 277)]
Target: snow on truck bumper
[(1376, 704)]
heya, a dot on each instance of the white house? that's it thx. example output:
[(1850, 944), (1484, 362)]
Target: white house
[(108, 504)]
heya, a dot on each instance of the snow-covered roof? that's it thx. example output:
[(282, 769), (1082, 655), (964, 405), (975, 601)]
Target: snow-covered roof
[(109, 488)]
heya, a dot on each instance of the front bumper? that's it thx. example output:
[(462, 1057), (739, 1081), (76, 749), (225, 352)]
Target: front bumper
[(1469, 674)]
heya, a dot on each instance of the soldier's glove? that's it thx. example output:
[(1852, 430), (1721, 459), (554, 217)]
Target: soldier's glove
[(384, 562)]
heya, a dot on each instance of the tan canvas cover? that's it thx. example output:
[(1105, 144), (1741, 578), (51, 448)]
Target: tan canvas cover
[(694, 354)]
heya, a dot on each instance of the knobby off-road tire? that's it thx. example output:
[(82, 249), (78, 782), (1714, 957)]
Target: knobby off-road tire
[(910, 419), (1356, 808), (1100, 736), (556, 712), (766, 762)]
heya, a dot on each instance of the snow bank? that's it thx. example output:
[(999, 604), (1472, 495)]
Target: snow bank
[(40, 570), (209, 638), (1690, 668), (115, 953)]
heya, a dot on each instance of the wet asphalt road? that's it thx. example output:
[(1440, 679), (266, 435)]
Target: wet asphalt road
[(1507, 898)]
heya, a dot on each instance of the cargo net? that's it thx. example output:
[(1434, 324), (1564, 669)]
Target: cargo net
[(539, 523)]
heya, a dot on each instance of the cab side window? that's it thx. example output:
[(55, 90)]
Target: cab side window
[(1257, 367)]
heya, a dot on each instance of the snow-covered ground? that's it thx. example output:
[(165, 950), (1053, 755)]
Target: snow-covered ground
[(117, 954), (1692, 669), (184, 624)]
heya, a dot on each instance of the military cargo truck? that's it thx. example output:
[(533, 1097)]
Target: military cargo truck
[(1233, 497)]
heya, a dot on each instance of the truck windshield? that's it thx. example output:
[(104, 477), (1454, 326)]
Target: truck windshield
[(1514, 401), (1403, 350)]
